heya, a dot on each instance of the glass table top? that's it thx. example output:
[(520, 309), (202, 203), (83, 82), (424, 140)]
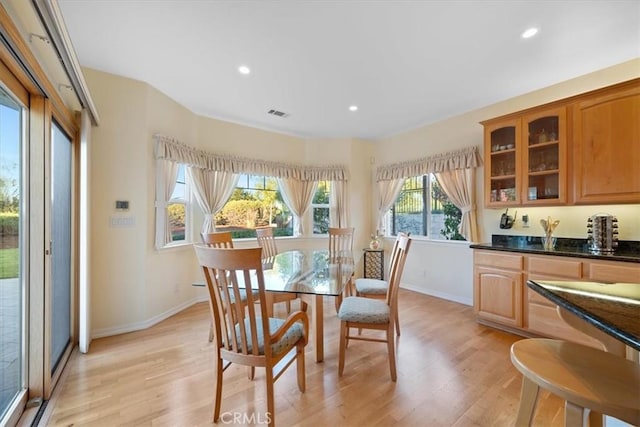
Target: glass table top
[(307, 272)]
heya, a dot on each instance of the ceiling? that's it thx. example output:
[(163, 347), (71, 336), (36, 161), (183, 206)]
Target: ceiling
[(405, 64)]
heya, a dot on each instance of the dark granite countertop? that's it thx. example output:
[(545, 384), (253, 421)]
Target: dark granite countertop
[(612, 308), (627, 250)]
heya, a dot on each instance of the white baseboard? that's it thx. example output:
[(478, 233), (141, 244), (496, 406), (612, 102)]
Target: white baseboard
[(132, 327), (448, 297)]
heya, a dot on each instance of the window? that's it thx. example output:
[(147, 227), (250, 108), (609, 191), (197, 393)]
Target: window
[(177, 208), (256, 202), (423, 209), (320, 208)]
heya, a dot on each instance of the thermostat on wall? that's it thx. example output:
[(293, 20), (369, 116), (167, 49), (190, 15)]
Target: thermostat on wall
[(122, 204)]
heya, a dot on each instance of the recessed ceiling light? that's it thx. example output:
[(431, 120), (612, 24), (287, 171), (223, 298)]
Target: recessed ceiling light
[(529, 33), (243, 69), (353, 108)]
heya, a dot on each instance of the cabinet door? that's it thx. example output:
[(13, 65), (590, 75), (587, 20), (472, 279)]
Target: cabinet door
[(544, 157), (498, 295), (606, 138), (501, 147)]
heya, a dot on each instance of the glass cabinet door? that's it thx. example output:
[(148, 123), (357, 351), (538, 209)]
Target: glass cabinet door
[(502, 179), (544, 170)]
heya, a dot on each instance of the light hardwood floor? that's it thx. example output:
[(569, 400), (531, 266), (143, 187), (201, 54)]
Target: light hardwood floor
[(451, 372)]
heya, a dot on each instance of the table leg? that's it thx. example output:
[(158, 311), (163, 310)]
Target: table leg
[(318, 313), (270, 300)]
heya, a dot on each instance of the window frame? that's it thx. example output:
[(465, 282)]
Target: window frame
[(312, 206), (427, 214), (162, 217), (245, 184)]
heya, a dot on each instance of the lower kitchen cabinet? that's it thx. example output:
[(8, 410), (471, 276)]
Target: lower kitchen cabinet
[(503, 300), (498, 287)]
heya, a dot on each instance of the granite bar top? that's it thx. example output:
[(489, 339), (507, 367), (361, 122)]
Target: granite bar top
[(612, 308), (627, 250)]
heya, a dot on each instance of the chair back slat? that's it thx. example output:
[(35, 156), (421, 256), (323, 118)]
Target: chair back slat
[(403, 243), (221, 239), (266, 241), (231, 275), (340, 242)]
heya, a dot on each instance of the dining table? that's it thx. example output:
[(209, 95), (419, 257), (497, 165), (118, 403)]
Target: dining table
[(308, 272), (612, 309)]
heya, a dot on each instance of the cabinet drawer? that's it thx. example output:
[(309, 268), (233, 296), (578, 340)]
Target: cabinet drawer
[(614, 272), (556, 267), (535, 298), (498, 260), (545, 320)]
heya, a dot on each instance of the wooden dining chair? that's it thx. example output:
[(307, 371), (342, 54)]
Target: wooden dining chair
[(341, 246), (376, 288), (368, 313), (224, 240), (341, 242), (244, 334), (592, 382), (221, 239), (267, 242)]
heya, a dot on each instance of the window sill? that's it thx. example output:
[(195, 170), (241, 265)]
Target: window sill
[(175, 247)]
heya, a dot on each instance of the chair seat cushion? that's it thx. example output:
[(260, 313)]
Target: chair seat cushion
[(364, 310), (288, 340), (371, 286)]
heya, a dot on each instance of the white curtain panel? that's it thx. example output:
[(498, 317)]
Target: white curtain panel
[(338, 205), (169, 173), (298, 196), (388, 192), (212, 191), (459, 186)]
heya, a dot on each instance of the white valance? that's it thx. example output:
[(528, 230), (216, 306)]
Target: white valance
[(170, 149), (466, 158)]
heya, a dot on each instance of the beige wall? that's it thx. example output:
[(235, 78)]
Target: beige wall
[(446, 270), (134, 285)]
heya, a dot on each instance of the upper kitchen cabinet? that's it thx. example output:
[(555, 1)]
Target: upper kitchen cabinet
[(606, 146), (502, 142), (579, 150), (544, 157), (525, 159)]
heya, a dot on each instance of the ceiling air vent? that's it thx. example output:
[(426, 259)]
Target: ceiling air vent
[(278, 113)]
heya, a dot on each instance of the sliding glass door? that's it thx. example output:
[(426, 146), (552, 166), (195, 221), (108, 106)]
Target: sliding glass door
[(12, 258), (61, 221)]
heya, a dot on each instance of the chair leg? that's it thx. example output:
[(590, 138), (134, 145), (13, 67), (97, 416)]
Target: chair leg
[(218, 398), (528, 401), (392, 352), (251, 373), (270, 415), (397, 322), (337, 302), (574, 415), (343, 345), (300, 366)]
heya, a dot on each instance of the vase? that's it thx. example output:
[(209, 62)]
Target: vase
[(548, 242), (374, 244)]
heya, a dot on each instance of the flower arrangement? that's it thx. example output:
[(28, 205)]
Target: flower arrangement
[(375, 241)]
